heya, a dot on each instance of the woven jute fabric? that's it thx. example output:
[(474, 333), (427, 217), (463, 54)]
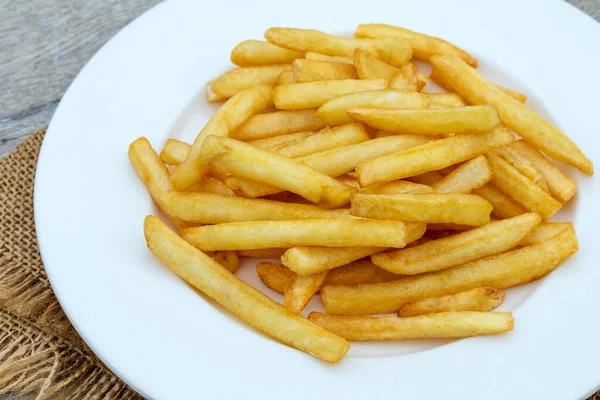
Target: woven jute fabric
[(40, 352)]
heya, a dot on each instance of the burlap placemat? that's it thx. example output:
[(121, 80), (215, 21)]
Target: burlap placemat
[(40, 352)]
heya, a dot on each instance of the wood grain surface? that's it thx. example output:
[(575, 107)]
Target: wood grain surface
[(44, 44)]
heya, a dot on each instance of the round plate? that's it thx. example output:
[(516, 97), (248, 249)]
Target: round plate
[(168, 342)]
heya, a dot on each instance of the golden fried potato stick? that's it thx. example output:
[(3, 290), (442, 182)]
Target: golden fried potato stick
[(545, 231), (396, 187), (277, 123), (396, 51), (471, 175), (430, 121), (285, 78), (525, 192), (407, 79), (262, 253), (312, 70), (314, 94), (464, 209), (431, 156), (524, 166), (240, 79), (251, 235), (224, 122), (251, 53), (424, 46), (335, 111), (370, 67), (478, 299), (501, 271), (211, 96), (427, 178), (277, 140), (246, 161), (446, 99), (439, 325), (306, 260), (561, 186), (249, 304), (228, 259), (174, 152), (302, 288), (348, 180), (275, 276), (525, 122), (208, 208), (310, 55), (210, 185), (485, 241), (503, 205)]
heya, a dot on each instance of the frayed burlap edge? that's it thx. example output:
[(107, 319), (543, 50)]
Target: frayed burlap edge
[(40, 352)]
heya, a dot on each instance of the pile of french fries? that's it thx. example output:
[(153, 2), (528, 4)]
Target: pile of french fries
[(331, 154)]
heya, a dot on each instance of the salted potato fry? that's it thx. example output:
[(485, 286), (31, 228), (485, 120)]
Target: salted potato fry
[(370, 67), (470, 175), (424, 46), (259, 52), (561, 186), (335, 111), (428, 178), (439, 325), (396, 187), (174, 152), (466, 209), (407, 79), (297, 295), (315, 94), (485, 241), (315, 232), (525, 122), (305, 260), (343, 135), (312, 70), (447, 227), (285, 78), (263, 126), (249, 304), (208, 208), (503, 205), (478, 299), (224, 122), (453, 120), (211, 185), (501, 271), (393, 50), (524, 166), (275, 276), (310, 55), (279, 139), (446, 99), (228, 259), (348, 180), (237, 80), (512, 182), (431, 156), (263, 166), (211, 96), (262, 253), (545, 231)]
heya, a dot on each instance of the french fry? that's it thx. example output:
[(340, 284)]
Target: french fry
[(485, 241), (453, 120), (396, 187), (240, 79), (429, 178), (524, 166), (208, 208), (264, 126), (470, 175), (315, 94), (228, 259), (465, 209), (339, 136), (277, 140), (478, 299), (227, 119), (211, 185), (393, 50), (424, 46), (259, 52), (315, 232), (174, 152), (501, 271), (431, 156), (310, 55), (545, 231), (247, 303), (439, 325), (422, 82), (306, 260), (335, 111), (370, 67), (560, 186), (525, 122), (263, 166), (211, 96), (311, 71), (348, 180), (446, 99), (262, 253), (503, 205), (285, 78), (275, 276), (407, 79), (448, 227), (301, 290), (512, 182)]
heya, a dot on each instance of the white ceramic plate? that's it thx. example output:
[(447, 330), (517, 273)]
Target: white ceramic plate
[(169, 342)]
